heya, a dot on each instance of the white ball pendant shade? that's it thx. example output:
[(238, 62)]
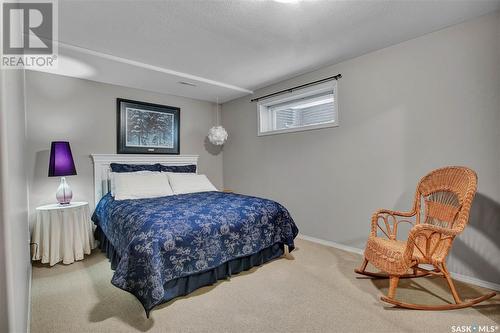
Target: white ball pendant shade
[(217, 135)]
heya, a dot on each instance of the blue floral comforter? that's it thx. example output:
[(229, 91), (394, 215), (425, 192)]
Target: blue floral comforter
[(165, 238)]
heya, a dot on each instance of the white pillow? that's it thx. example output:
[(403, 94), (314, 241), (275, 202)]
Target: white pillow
[(189, 183), (112, 179), (140, 185)]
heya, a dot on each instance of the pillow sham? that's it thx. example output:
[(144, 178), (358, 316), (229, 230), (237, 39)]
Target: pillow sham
[(112, 176), (189, 183), (191, 168), (119, 167), (140, 185)]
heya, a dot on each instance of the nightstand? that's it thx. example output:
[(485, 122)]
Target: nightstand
[(62, 233)]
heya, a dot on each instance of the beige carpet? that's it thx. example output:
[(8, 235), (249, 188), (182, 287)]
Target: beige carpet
[(314, 289)]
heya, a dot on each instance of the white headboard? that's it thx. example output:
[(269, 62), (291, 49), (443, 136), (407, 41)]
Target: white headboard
[(102, 168)]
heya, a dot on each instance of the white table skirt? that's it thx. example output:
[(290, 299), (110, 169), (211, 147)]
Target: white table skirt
[(62, 233)]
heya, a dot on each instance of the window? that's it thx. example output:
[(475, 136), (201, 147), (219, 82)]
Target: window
[(308, 108)]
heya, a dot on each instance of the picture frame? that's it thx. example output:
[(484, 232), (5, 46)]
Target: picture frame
[(147, 128)]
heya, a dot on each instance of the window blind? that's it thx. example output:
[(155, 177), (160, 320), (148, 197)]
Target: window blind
[(311, 110)]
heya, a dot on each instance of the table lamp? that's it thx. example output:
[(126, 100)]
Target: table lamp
[(61, 164)]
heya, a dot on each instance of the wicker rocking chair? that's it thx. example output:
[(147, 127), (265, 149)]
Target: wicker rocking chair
[(440, 212)]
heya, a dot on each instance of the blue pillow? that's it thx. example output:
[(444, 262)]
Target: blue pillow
[(191, 168), (118, 167)]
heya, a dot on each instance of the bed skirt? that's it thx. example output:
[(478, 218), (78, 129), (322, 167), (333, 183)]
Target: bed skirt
[(185, 285)]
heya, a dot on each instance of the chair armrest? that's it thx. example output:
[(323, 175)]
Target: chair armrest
[(390, 217), (395, 212), (427, 232), (430, 228)]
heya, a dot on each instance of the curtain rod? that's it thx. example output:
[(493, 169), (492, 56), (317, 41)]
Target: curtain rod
[(289, 90)]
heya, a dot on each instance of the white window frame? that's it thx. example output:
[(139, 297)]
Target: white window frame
[(297, 94)]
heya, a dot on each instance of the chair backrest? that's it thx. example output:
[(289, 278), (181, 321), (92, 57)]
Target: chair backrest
[(446, 196)]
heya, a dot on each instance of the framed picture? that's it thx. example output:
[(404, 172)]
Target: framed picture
[(145, 128)]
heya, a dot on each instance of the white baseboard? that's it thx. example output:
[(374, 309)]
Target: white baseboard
[(332, 244), (475, 281), (456, 276)]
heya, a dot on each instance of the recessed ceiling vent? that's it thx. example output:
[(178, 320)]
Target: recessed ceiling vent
[(187, 83)]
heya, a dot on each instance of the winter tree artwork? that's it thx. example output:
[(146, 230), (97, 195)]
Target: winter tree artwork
[(149, 129), (145, 128)]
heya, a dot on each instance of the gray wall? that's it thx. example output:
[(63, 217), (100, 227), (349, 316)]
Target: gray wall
[(84, 113), (15, 266), (404, 110)]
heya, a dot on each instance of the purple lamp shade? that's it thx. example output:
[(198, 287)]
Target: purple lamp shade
[(61, 161)]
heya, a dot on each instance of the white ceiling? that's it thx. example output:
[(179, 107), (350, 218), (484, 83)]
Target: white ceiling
[(229, 48)]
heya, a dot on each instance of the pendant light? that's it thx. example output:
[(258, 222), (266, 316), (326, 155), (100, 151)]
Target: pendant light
[(217, 135)]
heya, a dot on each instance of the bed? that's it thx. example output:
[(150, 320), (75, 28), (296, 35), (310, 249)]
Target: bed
[(165, 247)]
